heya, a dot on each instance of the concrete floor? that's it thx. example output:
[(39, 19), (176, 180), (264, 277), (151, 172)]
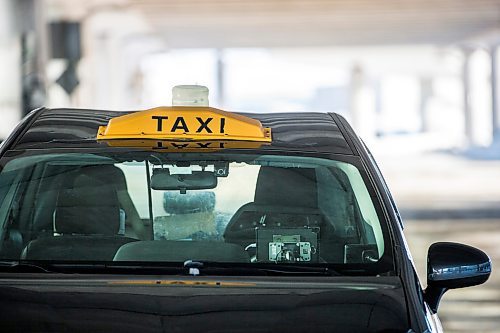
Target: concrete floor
[(447, 197)]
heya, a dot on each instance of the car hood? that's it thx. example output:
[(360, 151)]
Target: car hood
[(201, 304)]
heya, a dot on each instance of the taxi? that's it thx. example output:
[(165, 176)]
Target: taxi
[(193, 219)]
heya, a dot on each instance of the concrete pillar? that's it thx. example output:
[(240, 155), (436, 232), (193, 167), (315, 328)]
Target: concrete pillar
[(31, 28), (42, 38), (220, 73), (425, 96), (377, 89), (102, 71), (356, 87), (466, 89), (495, 103), (10, 74)]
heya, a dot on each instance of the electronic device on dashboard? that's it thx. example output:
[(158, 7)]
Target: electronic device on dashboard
[(287, 244)]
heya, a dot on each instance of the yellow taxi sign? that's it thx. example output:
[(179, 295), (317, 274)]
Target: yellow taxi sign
[(183, 123)]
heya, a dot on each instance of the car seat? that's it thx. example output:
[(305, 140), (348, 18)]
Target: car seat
[(284, 198), (86, 220)]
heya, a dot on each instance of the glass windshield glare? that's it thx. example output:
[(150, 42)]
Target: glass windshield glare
[(153, 207)]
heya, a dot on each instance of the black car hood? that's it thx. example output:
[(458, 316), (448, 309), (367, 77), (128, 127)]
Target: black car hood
[(202, 304)]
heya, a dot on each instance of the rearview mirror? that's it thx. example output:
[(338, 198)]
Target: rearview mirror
[(197, 180), (451, 266)]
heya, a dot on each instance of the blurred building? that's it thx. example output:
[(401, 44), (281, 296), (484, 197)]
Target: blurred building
[(390, 66)]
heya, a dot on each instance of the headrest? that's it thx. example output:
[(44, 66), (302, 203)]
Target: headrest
[(87, 204), (188, 203), (287, 187), (107, 173)]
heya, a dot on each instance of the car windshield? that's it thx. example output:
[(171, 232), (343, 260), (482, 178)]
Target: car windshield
[(168, 208)]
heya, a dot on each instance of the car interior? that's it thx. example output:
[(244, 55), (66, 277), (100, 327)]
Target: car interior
[(76, 214)]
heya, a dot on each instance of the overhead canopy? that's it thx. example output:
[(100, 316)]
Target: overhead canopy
[(282, 23), (302, 23)]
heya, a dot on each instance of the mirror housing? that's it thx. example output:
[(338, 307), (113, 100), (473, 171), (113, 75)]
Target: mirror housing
[(197, 180), (452, 266)]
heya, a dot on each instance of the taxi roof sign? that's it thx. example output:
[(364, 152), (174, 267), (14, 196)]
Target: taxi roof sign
[(184, 123)]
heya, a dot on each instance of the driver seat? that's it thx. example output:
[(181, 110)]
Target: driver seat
[(284, 198)]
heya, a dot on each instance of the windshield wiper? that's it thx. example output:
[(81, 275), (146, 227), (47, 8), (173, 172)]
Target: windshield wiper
[(16, 266), (193, 267), (299, 270), (190, 267), (216, 268), (22, 266)]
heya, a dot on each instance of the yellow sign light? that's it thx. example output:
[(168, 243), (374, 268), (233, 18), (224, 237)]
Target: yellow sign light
[(183, 123)]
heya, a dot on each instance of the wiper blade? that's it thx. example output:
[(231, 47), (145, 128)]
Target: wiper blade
[(85, 267), (214, 268), (21, 266), (166, 268), (116, 268), (16, 266), (299, 270), (194, 267)]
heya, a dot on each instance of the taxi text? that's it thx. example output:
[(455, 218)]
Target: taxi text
[(204, 125)]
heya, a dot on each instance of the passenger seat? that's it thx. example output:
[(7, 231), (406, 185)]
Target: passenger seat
[(86, 221)]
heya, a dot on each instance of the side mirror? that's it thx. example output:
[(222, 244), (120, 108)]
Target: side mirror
[(452, 266)]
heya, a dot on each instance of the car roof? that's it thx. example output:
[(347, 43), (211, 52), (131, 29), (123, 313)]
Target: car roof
[(77, 128)]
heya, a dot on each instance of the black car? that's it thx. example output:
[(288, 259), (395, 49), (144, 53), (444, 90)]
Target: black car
[(193, 219)]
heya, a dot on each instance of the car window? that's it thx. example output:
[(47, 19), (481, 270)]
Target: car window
[(153, 207)]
